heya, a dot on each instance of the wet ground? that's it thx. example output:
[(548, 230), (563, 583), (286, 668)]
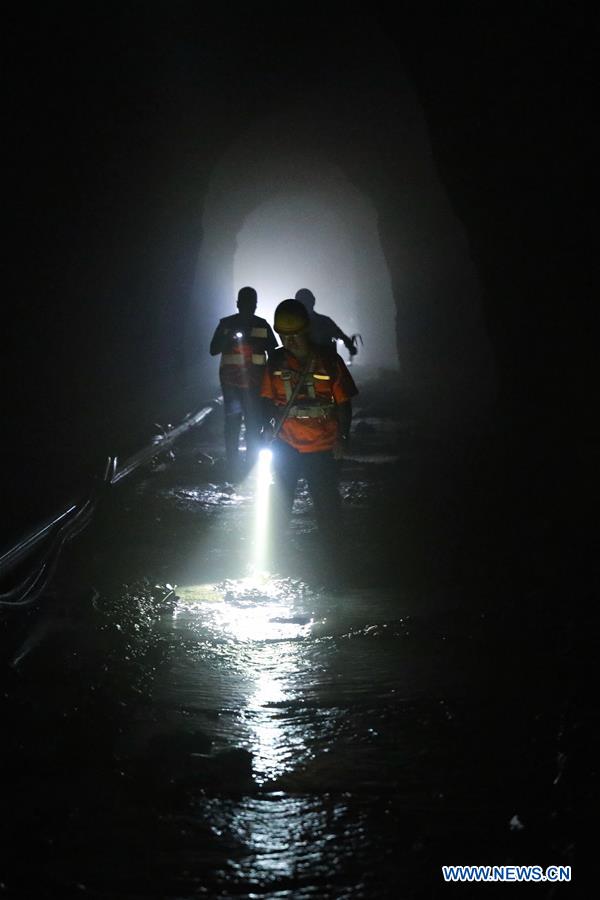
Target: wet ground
[(176, 726)]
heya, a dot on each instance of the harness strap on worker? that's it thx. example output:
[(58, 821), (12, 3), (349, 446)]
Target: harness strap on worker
[(284, 414)]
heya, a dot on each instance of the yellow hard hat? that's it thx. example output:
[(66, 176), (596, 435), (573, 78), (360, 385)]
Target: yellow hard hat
[(291, 317)]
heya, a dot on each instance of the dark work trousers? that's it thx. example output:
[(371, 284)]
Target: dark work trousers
[(241, 404), (322, 473)]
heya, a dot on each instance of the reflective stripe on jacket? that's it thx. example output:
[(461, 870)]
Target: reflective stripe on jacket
[(240, 359), (243, 362)]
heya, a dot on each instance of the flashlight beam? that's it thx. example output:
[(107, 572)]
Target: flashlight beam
[(261, 522)]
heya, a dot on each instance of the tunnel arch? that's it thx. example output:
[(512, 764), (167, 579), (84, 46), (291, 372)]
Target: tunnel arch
[(323, 238), (379, 155)]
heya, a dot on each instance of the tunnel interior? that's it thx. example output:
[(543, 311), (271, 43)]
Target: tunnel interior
[(404, 279), (328, 243), (429, 179)]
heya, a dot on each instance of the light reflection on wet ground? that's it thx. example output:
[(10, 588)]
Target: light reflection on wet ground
[(241, 737), (276, 646), (315, 687), (318, 690)]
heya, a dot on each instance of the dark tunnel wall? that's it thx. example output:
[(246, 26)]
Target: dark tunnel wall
[(510, 123), (115, 122)]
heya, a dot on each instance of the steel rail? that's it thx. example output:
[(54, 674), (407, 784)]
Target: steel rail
[(26, 545), (25, 593), (62, 527), (160, 444)]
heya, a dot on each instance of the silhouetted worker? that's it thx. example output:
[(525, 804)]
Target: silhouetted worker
[(307, 392), (323, 330), (243, 340)]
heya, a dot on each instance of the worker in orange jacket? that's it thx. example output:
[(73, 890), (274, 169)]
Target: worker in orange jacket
[(315, 432), (243, 340)]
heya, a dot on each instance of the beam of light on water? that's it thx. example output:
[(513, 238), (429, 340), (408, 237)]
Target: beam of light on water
[(261, 624), (272, 750), (256, 608)]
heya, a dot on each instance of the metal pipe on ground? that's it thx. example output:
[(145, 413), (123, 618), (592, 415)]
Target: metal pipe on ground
[(65, 525)]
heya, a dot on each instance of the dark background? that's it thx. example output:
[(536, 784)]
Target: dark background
[(114, 118)]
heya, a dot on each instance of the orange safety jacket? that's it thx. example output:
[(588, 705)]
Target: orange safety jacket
[(243, 358), (311, 424)]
